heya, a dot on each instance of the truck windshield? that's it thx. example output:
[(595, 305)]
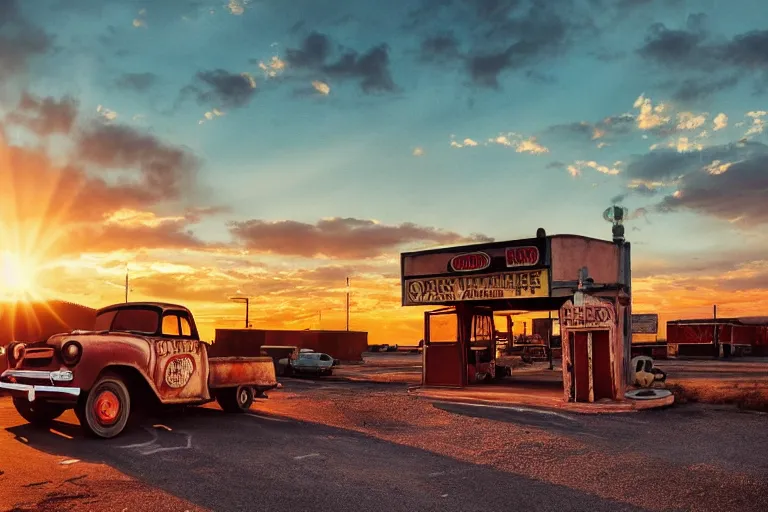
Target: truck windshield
[(130, 319)]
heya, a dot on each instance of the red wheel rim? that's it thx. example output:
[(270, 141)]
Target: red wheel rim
[(107, 407)]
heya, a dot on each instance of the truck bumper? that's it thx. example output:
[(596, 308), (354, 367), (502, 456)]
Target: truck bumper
[(38, 383)]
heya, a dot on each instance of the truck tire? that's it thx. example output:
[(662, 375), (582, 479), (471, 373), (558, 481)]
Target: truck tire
[(104, 412), (38, 412), (235, 400)]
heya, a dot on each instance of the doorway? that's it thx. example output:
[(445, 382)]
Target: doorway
[(591, 372), (442, 355)]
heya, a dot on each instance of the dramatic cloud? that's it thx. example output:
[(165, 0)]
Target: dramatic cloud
[(650, 116), (690, 121), (223, 89), (139, 82), (321, 87), (606, 129), (369, 69), (338, 237), (727, 181), (164, 169), (577, 167), (19, 40), (520, 143), (692, 49), (675, 47), (541, 34), (691, 90), (720, 121), (440, 48), (74, 206), (45, 116), (466, 143), (503, 35)]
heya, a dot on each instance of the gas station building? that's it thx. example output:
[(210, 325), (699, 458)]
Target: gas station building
[(585, 281)]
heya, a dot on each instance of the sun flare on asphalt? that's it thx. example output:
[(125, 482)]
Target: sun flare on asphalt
[(17, 277)]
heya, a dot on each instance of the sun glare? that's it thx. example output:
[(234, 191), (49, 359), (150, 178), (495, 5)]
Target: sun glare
[(17, 279)]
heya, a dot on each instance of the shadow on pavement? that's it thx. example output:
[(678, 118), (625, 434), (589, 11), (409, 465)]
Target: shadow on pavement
[(253, 461)]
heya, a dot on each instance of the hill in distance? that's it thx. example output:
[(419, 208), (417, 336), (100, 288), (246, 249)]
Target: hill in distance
[(37, 321)]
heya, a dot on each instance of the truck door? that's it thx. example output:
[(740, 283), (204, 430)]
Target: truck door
[(442, 356), (181, 361)]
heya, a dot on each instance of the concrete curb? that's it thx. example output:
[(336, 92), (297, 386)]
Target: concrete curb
[(625, 406)]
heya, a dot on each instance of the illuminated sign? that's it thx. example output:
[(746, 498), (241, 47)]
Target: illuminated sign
[(470, 261), (503, 285), (527, 256)]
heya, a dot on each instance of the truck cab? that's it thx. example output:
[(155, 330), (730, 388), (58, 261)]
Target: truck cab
[(136, 351)]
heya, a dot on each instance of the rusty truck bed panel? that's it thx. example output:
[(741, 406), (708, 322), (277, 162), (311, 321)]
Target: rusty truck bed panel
[(227, 372)]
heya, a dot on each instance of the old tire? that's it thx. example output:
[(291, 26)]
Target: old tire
[(235, 400), (38, 412), (104, 412)]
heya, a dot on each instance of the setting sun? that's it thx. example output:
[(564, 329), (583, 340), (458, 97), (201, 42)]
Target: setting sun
[(17, 279)]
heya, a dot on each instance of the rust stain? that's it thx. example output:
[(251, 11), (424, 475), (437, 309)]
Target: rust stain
[(246, 371)]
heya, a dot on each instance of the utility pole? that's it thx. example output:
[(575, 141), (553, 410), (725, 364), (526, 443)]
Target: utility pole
[(549, 341), (347, 303), (320, 320), (126, 282), (247, 301), (715, 336)]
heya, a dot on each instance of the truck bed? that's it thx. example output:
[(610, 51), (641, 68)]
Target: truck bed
[(228, 372)]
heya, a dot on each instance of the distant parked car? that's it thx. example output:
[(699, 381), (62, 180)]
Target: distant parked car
[(310, 363)]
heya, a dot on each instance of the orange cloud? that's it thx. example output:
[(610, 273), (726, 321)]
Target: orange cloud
[(337, 237)]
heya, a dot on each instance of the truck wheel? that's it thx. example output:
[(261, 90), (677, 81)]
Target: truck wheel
[(38, 412), (233, 400), (105, 411)]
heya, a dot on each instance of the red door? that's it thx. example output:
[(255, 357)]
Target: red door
[(442, 358)]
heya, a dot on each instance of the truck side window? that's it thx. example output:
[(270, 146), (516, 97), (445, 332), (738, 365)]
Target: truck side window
[(186, 330), (171, 325)]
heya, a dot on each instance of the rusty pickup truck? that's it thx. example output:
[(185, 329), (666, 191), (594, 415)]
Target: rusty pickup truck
[(138, 354)]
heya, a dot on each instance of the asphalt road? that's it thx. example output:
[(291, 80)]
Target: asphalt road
[(335, 446)]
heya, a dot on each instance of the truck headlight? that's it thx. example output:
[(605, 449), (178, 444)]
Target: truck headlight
[(2, 351), (71, 352), (15, 351)]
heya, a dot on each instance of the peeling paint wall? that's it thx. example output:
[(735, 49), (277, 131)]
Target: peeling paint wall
[(570, 253)]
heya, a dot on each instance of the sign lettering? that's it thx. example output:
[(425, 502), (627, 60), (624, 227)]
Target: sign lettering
[(504, 285), (170, 347), (588, 315), (527, 256), (470, 261)]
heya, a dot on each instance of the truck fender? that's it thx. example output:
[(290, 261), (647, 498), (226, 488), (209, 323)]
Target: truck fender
[(137, 381)]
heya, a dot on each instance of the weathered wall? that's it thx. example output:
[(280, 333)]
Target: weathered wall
[(343, 345), (594, 315), (570, 253)]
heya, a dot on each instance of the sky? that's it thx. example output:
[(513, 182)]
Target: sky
[(273, 149)]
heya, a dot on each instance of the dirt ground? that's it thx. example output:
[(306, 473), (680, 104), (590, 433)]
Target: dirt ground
[(739, 381), (620, 458)]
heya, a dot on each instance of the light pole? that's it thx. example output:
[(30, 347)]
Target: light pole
[(247, 302), (347, 303)]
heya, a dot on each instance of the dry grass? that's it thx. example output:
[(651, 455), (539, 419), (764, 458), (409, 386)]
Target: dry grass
[(751, 395)]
